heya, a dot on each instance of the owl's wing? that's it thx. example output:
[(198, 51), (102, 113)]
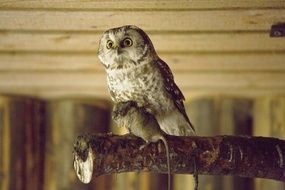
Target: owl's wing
[(172, 88)]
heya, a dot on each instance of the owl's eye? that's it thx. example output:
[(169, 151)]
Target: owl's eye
[(127, 42), (109, 44)]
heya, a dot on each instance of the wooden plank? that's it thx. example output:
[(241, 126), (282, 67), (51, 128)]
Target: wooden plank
[(230, 80), (51, 85), (186, 80), (197, 42), (178, 62), (128, 4), (225, 62), (49, 62), (54, 93), (58, 80), (199, 20), (189, 93)]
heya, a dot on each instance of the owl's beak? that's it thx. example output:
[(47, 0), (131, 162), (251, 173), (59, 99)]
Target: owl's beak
[(118, 50)]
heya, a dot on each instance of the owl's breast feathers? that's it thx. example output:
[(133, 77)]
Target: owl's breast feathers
[(138, 84)]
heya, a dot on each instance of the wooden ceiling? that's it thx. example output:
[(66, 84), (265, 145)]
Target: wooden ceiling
[(49, 48)]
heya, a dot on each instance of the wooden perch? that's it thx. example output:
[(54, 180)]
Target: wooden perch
[(221, 155)]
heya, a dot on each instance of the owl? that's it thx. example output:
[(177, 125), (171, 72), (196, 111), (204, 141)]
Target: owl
[(136, 73)]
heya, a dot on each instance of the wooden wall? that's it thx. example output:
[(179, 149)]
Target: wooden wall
[(49, 48), (36, 141), (22, 143)]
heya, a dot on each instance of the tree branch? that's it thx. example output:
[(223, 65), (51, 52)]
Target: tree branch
[(221, 155)]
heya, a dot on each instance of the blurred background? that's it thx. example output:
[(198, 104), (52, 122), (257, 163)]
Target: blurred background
[(53, 88)]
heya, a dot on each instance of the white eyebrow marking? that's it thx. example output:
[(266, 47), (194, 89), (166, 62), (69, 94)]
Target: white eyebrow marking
[(279, 151)]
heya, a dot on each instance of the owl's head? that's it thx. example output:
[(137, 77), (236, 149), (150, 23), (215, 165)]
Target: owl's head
[(125, 47)]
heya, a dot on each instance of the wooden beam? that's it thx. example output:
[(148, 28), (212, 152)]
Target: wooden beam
[(226, 62), (39, 62), (42, 84), (49, 62), (184, 80), (129, 4), (191, 42), (189, 93), (55, 93), (200, 20)]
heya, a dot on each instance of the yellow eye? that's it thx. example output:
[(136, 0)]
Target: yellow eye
[(127, 42), (109, 44)]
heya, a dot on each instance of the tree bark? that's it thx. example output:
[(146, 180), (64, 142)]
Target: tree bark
[(103, 154)]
